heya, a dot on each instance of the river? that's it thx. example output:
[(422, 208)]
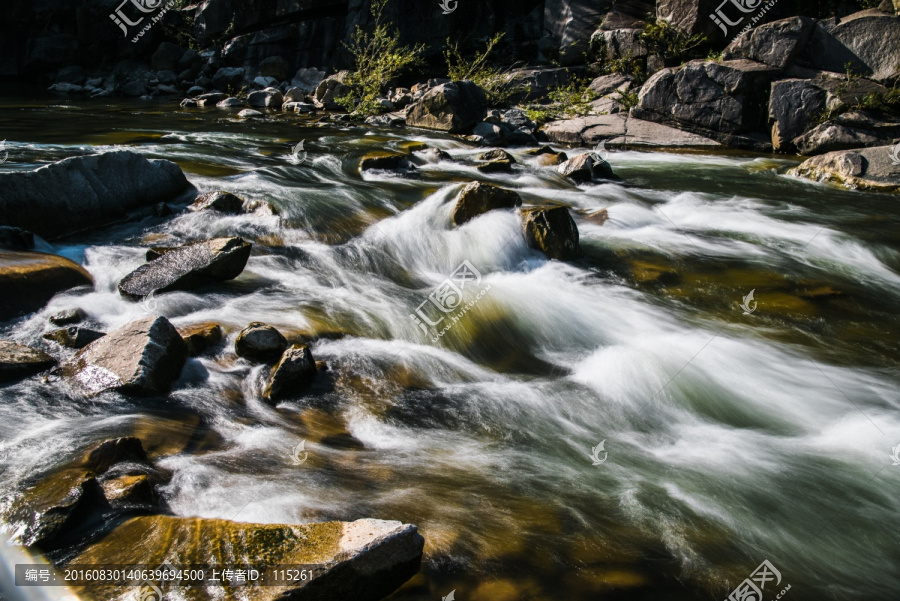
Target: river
[(729, 436)]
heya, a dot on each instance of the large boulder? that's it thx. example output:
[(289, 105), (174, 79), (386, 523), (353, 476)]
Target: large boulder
[(140, 358), (453, 107), (30, 279), (86, 192), (330, 90), (584, 168), (293, 373), (228, 78), (536, 82), (552, 231), (868, 169), (267, 98), (188, 267), (775, 44), (19, 361), (365, 560), (219, 200), (478, 198), (792, 107), (855, 129), (260, 342), (723, 100), (622, 131)]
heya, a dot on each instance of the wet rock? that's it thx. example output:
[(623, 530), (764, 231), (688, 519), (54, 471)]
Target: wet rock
[(127, 449), (18, 361), (187, 267), (389, 120), (434, 155), (211, 99), (86, 192), (622, 130), (365, 560), (551, 160), (855, 129), (292, 375), (73, 336), (498, 166), (553, 231), (497, 154), (131, 491), (14, 238), (585, 168), (490, 134), (867, 168), (478, 198), (260, 342), (68, 317), (298, 107), (221, 201), (776, 43), (30, 279), (230, 103), (58, 511), (383, 160), (142, 357), (66, 88), (267, 98), (453, 107), (200, 337), (249, 114)]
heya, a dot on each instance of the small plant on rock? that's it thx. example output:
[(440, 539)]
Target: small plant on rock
[(498, 84)]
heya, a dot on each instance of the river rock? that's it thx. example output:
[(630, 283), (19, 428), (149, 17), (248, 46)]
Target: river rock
[(231, 103), (454, 107), (131, 491), (14, 238), (498, 154), (260, 342), (142, 357), (620, 130), (211, 99), (497, 166), (269, 98), (854, 129), (30, 279), (383, 160), (200, 337), (58, 511), (73, 336), (489, 134), (293, 373), (86, 192), (221, 201), (188, 267), (552, 231), (18, 361), (228, 77), (776, 43), (365, 560), (127, 449), (68, 317), (250, 114), (478, 198), (792, 106), (585, 167), (867, 168), (330, 90)]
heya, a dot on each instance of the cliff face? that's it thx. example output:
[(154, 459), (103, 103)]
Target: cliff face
[(38, 37)]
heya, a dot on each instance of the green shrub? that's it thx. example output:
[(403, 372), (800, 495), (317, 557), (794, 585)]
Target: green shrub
[(498, 85), (378, 57), (661, 38)]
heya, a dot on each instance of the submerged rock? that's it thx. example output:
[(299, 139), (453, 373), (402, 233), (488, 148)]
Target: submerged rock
[(187, 267), (200, 337), (19, 361), (477, 198), (293, 373), (221, 201), (30, 279), (866, 168), (140, 358), (73, 336), (553, 231), (383, 160), (260, 342), (454, 107), (585, 168), (81, 193), (365, 560)]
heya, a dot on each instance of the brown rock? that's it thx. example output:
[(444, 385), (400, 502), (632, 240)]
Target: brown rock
[(201, 336), (260, 342), (19, 361), (30, 279), (553, 231), (292, 374), (127, 449), (477, 198), (73, 336)]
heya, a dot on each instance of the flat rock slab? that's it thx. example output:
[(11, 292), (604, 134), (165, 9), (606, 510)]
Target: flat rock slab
[(189, 266), (623, 131), (19, 361), (865, 168), (140, 358), (365, 560), (29, 279), (81, 193)]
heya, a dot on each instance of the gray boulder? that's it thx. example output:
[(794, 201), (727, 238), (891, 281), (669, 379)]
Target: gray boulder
[(19, 361), (552, 231), (260, 342), (73, 336), (307, 80), (329, 90), (453, 107), (585, 168), (775, 44), (189, 266), (855, 129), (618, 43), (68, 317), (867, 169), (536, 82), (81, 193), (220, 201), (228, 77), (211, 98), (490, 134), (293, 374), (231, 103), (267, 98), (622, 131), (274, 66), (143, 357), (792, 106), (478, 198)]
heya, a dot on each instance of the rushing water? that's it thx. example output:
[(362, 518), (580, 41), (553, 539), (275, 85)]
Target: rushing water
[(728, 438)]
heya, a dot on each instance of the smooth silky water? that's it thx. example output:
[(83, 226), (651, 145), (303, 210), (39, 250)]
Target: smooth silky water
[(729, 438)]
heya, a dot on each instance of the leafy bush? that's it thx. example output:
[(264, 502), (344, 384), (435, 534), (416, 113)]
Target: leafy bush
[(378, 57), (663, 39), (498, 85), (573, 98)]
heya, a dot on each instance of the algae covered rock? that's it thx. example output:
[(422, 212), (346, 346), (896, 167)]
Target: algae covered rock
[(477, 198), (293, 373), (553, 231)]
